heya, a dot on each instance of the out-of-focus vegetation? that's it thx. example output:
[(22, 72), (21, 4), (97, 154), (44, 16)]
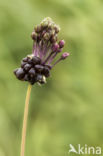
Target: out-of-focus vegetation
[(69, 108)]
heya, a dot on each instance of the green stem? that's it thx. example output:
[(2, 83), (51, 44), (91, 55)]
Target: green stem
[(25, 120)]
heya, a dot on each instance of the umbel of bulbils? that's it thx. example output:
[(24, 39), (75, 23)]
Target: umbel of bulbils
[(37, 66)]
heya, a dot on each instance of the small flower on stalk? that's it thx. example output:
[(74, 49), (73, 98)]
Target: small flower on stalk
[(37, 66)]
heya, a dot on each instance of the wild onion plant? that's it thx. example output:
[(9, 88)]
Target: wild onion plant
[(36, 67)]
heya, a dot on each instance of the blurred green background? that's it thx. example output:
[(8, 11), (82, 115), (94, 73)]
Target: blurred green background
[(69, 108)]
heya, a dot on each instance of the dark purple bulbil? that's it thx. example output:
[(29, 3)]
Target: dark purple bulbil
[(36, 67)]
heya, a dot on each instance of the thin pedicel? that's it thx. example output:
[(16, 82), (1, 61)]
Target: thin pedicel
[(36, 67)]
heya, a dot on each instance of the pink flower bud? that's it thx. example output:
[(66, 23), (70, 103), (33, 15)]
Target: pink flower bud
[(61, 43), (55, 47), (65, 55)]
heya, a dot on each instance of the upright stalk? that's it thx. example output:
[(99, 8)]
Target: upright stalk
[(25, 120)]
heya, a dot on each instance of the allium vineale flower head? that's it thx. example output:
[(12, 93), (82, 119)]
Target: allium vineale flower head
[(37, 66)]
